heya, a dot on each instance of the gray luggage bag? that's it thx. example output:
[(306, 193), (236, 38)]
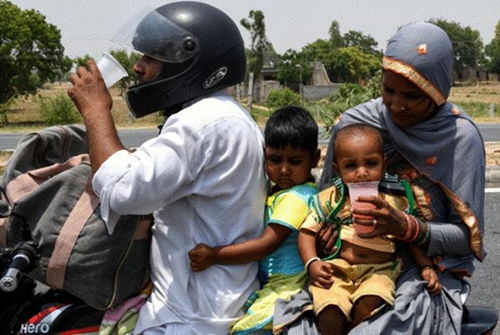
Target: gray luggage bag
[(47, 183)]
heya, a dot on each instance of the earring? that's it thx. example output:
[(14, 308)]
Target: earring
[(403, 108)]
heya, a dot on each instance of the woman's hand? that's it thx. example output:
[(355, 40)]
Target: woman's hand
[(321, 274), (202, 256), (433, 284), (325, 240), (89, 93), (384, 219)]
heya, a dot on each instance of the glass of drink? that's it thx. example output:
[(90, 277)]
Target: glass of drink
[(369, 188), (111, 69)]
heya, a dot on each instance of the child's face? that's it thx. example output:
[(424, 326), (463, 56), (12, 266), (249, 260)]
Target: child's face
[(359, 159), (289, 166)]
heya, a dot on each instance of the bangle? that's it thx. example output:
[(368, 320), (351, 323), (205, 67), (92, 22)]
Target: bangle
[(310, 261), (413, 229), (416, 225), (421, 240), (410, 229)]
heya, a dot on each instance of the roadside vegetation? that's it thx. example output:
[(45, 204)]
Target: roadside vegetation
[(51, 105), (35, 68), (30, 113)]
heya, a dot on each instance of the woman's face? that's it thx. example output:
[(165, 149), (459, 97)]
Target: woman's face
[(407, 104)]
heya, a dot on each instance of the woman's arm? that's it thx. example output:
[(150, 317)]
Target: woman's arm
[(203, 256)]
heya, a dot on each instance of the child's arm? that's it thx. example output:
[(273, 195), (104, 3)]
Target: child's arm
[(202, 256), (426, 269), (320, 272)]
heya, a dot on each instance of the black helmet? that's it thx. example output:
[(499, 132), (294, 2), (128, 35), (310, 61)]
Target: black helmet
[(202, 49)]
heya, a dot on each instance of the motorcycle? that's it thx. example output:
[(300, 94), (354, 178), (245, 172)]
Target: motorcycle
[(28, 307)]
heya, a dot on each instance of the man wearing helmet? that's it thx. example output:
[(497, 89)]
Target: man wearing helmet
[(202, 177)]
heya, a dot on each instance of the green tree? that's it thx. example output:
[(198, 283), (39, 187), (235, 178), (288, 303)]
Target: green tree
[(492, 51), (351, 57), (351, 64), (320, 50), (255, 24), (31, 53), (467, 45), (293, 68), (365, 43), (335, 36), (58, 109)]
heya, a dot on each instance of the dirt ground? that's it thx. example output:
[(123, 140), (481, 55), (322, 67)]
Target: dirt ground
[(493, 154)]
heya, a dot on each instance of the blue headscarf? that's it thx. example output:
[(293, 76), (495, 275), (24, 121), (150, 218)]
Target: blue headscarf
[(448, 147), (422, 53)]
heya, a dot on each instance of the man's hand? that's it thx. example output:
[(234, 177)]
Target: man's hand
[(321, 274), (91, 97), (202, 256), (89, 93)]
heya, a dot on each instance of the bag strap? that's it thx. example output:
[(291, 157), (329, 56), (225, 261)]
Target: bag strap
[(27, 182), (54, 169), (66, 240)]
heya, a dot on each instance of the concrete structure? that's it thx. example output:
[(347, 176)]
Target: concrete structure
[(320, 86), (310, 92), (319, 75)]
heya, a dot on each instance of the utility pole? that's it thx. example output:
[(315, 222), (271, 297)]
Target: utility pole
[(250, 90)]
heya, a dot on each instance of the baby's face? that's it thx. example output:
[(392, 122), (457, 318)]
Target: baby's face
[(359, 159)]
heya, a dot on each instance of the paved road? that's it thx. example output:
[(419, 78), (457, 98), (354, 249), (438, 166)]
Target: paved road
[(129, 137), (134, 137), (485, 281), (490, 132)]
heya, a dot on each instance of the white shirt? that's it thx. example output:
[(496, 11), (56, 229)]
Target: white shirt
[(203, 179)]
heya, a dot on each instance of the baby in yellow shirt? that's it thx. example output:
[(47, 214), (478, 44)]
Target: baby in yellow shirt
[(361, 279)]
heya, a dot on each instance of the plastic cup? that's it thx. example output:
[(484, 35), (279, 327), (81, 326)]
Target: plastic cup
[(111, 69), (356, 190)]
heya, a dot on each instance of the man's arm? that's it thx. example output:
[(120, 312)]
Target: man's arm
[(94, 103)]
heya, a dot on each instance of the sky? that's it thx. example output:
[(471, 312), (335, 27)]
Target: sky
[(87, 25)]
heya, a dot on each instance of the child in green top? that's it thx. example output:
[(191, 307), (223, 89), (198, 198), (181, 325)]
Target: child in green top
[(291, 151)]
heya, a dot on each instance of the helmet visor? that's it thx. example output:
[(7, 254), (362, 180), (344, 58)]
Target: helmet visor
[(154, 35)]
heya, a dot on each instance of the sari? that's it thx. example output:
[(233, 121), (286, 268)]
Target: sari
[(445, 156)]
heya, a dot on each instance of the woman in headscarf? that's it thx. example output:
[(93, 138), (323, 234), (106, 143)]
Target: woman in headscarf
[(435, 145)]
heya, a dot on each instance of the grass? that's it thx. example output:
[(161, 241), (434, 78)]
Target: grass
[(24, 114), (477, 99)]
